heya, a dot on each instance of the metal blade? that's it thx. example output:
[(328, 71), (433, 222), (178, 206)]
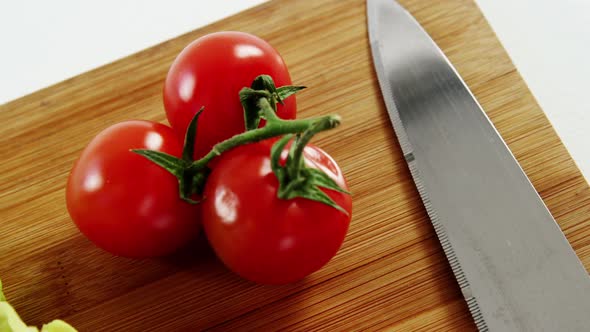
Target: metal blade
[(515, 267)]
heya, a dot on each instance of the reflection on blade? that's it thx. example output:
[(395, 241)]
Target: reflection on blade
[(514, 265)]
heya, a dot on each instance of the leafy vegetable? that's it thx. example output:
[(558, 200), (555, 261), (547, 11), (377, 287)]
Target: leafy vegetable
[(11, 322)]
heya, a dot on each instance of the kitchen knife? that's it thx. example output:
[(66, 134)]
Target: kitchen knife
[(513, 264)]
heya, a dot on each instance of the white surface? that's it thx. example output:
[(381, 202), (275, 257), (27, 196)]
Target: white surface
[(44, 42), (549, 42)]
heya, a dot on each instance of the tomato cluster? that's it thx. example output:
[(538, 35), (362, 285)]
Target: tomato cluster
[(131, 206)]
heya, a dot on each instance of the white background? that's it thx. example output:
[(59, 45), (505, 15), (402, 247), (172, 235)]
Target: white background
[(44, 42)]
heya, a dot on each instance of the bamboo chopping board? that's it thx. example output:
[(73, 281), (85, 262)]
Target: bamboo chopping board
[(390, 273)]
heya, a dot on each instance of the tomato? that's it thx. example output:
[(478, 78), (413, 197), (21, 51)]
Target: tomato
[(210, 72), (261, 237), (124, 203)]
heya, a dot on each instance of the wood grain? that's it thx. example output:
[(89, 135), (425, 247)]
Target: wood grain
[(390, 274)]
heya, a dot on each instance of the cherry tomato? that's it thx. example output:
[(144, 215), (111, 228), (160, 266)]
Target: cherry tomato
[(124, 203), (210, 72), (261, 237)]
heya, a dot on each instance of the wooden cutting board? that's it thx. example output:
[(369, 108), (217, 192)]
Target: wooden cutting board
[(390, 273)]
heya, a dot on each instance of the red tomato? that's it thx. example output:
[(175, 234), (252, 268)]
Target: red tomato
[(124, 203), (210, 72), (264, 238)]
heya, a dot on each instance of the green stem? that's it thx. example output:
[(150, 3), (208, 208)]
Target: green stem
[(268, 111), (275, 126), (296, 151), (295, 178), (259, 102)]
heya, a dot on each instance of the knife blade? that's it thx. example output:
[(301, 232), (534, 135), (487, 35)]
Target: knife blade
[(511, 260)]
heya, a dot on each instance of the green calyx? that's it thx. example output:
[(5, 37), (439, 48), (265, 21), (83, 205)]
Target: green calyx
[(191, 180), (298, 180), (259, 102), (263, 87)]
